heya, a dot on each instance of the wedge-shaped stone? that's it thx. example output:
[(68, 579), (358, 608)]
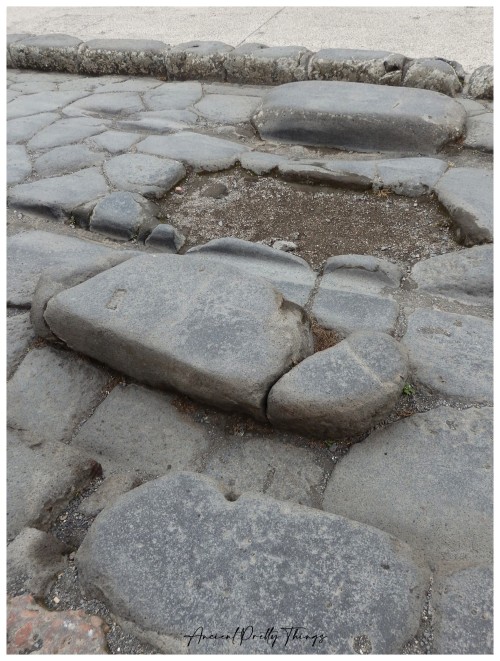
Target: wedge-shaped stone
[(134, 57), (174, 552), (205, 329), (341, 391), (359, 116)]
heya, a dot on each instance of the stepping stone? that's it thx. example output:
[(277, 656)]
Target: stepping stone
[(173, 96), (117, 103), (63, 160), (359, 117), (66, 132), (53, 52), (261, 65), (140, 431), (432, 74), (463, 612), (197, 60), (355, 294), (134, 57), (253, 563), (22, 129), (58, 196), (260, 162), (480, 132), (205, 329), (18, 164), (140, 173), (20, 335), (427, 480), (290, 275), (165, 238), (465, 276), (123, 216), (225, 109), (360, 66), (115, 142), (43, 102), (481, 83), (342, 391), (467, 194), (451, 354)]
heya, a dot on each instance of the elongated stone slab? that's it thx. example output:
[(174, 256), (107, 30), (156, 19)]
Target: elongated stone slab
[(134, 57), (359, 116), (176, 558)]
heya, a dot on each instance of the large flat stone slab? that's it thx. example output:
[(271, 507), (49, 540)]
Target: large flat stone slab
[(42, 102), (205, 329), (176, 558), (359, 116), (141, 173), (18, 164), (66, 132), (23, 128)]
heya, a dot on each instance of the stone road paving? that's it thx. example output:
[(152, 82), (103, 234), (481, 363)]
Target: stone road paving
[(343, 536)]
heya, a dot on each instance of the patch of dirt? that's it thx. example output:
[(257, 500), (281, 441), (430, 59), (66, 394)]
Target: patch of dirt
[(323, 338)]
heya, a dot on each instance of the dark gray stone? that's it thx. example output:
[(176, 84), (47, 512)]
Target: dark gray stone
[(481, 83), (205, 329), (140, 173), (111, 103), (67, 159), (123, 216), (451, 354), (260, 162), (357, 66), (434, 75), (173, 96), (225, 109), (115, 142), (18, 164), (20, 334), (108, 492), (344, 176), (165, 238), (410, 176), (133, 57), (261, 65), (197, 60), (217, 191), (426, 479), (22, 129), (66, 132), (43, 102), (49, 52), (253, 563), (480, 132), (359, 117)]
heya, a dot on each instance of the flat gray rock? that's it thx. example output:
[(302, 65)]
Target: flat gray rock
[(480, 132), (115, 142), (165, 238), (140, 84), (225, 109), (359, 66), (410, 176), (481, 83), (197, 60), (260, 162), (290, 275), (263, 65), (359, 117), (19, 336), (23, 128), (426, 479), (141, 173), (254, 563), (463, 607), (18, 164), (123, 215), (451, 354), (465, 276), (467, 194), (313, 174), (111, 103), (67, 159), (160, 121), (173, 96), (434, 75), (42, 102), (66, 132), (53, 52), (134, 57)]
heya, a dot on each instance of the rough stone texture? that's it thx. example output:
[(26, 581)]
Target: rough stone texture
[(480, 132), (20, 334), (463, 604), (345, 175), (205, 329), (432, 75), (342, 391), (452, 354), (23, 128), (201, 152), (261, 65), (141, 173), (123, 216), (359, 117), (173, 96), (41, 480), (165, 238), (34, 559), (49, 52), (66, 132), (50, 393), (355, 294), (250, 563), (357, 66), (467, 194), (32, 629), (427, 480), (18, 164), (139, 431), (410, 176), (108, 492), (42, 102), (58, 196), (290, 275), (197, 60), (260, 162), (11, 38), (133, 57), (225, 109), (160, 121), (63, 160), (465, 276), (110, 103), (481, 83), (115, 142)]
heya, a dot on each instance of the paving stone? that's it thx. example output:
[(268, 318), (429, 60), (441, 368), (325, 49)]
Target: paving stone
[(290, 275), (201, 152), (313, 174), (165, 238), (355, 294), (480, 132), (465, 276), (20, 334), (260, 162), (481, 83), (50, 393), (140, 431), (261, 65), (451, 354), (88, 84), (173, 96), (22, 129), (66, 132), (134, 57), (53, 52), (43, 102), (32, 629), (254, 561), (434, 75), (41, 480), (409, 480), (18, 164), (410, 176), (235, 89), (160, 121), (115, 142), (33, 86), (123, 216), (67, 159), (141, 173), (467, 194), (359, 117), (223, 337), (12, 94), (58, 196), (463, 606), (471, 107), (197, 60), (108, 492), (131, 85), (360, 66), (342, 391), (112, 103), (225, 109), (34, 559)]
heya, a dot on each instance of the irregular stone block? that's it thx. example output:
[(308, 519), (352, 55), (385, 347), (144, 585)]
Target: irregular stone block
[(480, 132), (205, 329), (165, 238), (133, 57), (140, 173), (43, 102), (434, 75), (67, 159), (481, 83), (252, 561), (20, 334), (108, 492), (173, 96), (260, 162), (225, 109), (356, 66), (49, 52), (66, 132), (197, 60), (111, 103), (18, 164), (260, 65), (410, 176), (23, 128), (387, 480), (115, 142), (123, 216), (452, 354), (312, 174), (11, 38), (359, 117)]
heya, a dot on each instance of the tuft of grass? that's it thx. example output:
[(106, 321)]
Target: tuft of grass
[(408, 389)]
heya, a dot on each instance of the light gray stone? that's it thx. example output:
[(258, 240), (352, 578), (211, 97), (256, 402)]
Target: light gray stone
[(342, 391), (141, 173), (285, 246), (254, 563), (410, 176), (18, 164), (358, 170), (43, 102), (165, 238), (480, 132), (66, 132), (452, 354), (225, 109), (426, 479), (124, 216), (52, 52), (205, 329), (472, 108), (108, 492), (481, 83), (312, 174), (260, 162), (434, 75), (11, 38), (67, 159), (197, 60), (115, 142), (131, 85), (173, 96), (261, 65), (356, 66), (22, 129), (33, 86), (20, 334), (234, 89), (134, 57), (359, 117), (160, 121), (111, 103)]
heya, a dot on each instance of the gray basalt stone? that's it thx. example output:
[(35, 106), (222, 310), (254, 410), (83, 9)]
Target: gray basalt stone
[(42, 102), (358, 116), (204, 329), (20, 334), (260, 162), (451, 354), (481, 83), (165, 238), (260, 65), (133, 57), (197, 60), (342, 391), (18, 164), (480, 132), (434, 75), (66, 132), (24, 128), (115, 142), (12, 38), (225, 109), (410, 176), (124, 216), (343, 176), (173, 96), (356, 66), (141, 173), (408, 480), (67, 159), (160, 121), (111, 103), (49, 52)]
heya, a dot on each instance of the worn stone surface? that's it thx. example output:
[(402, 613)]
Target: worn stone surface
[(115, 142), (214, 333), (252, 561), (261, 65), (260, 162), (197, 60), (141, 173), (360, 66), (110, 103), (20, 334), (160, 121), (481, 83), (52, 52), (225, 109), (42, 102), (434, 75), (66, 132), (480, 132), (409, 480), (108, 492), (123, 215), (18, 164), (63, 160), (312, 174), (451, 354), (410, 176), (23, 128), (173, 96), (165, 238), (359, 117), (134, 57)]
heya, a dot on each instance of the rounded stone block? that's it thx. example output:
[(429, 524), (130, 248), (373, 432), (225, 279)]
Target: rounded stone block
[(481, 83), (432, 75)]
